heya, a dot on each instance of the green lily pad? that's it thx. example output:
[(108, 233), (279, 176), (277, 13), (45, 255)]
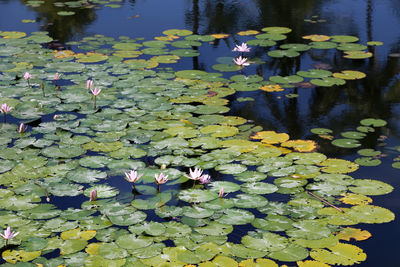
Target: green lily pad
[(236, 217), (286, 79), (373, 122), (370, 187), (367, 161), (346, 143), (197, 195), (268, 242)]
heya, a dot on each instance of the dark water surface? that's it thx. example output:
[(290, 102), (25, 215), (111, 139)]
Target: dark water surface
[(377, 95)]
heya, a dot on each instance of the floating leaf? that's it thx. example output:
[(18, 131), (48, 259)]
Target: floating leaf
[(317, 38), (343, 254), (355, 199), (373, 122), (370, 187), (300, 145), (338, 166), (349, 75), (353, 233), (346, 143), (14, 256)]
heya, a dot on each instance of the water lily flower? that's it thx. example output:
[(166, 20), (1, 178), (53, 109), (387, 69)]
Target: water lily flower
[(89, 84), (5, 109), (22, 128), (194, 175), (95, 92), (27, 76), (8, 234), (133, 176), (93, 195), (221, 193), (241, 61), (205, 179), (242, 48), (161, 178), (57, 76)]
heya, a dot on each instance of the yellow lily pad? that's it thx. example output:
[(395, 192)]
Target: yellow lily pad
[(272, 88), (349, 75), (353, 233), (312, 264), (220, 35), (317, 37), (300, 145), (78, 234), (342, 254), (249, 32), (93, 248), (12, 35), (355, 199), (270, 137), (14, 256), (63, 53)]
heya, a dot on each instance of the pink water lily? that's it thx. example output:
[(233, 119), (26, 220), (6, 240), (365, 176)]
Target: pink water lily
[(22, 128), (96, 91), (8, 234), (241, 61), (93, 195), (221, 193), (57, 76), (89, 84), (205, 179), (242, 48), (27, 76), (5, 109), (132, 176)]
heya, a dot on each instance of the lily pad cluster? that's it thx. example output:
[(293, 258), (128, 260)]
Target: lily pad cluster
[(157, 120), (351, 139)]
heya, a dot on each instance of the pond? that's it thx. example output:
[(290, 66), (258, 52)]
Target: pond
[(199, 133)]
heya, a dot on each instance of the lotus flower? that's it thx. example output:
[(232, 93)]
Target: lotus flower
[(93, 195), (205, 179), (22, 128), (241, 61), (8, 234), (5, 109), (194, 175), (242, 48), (95, 92), (133, 176)]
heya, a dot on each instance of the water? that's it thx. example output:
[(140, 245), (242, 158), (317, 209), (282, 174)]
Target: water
[(340, 109)]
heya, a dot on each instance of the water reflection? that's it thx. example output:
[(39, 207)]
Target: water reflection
[(63, 28)]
